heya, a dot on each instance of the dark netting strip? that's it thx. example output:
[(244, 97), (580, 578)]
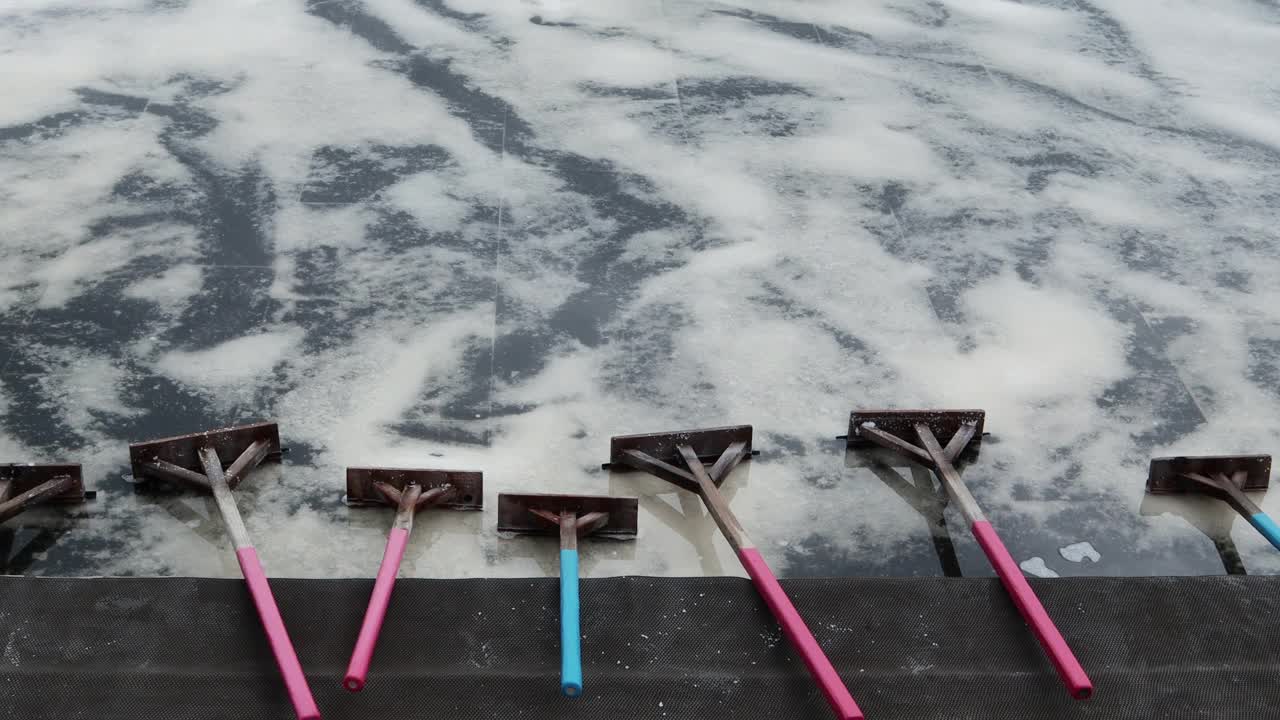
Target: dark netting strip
[(146, 649)]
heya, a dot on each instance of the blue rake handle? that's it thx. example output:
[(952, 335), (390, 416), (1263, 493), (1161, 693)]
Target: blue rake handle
[(570, 630), (1268, 527)]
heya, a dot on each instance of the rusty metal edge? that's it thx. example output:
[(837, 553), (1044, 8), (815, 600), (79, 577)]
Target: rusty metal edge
[(708, 443), (514, 515), (901, 423), (27, 476), (181, 450), (361, 493), (1164, 475)]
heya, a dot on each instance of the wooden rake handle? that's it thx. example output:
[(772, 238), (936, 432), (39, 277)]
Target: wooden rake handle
[(1268, 527), (35, 496), (1064, 661), (362, 655), (570, 626), (798, 634), (295, 680), (826, 677)]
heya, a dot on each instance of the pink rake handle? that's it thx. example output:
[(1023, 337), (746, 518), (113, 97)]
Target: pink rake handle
[(1064, 661), (798, 633), (358, 668), (294, 679)]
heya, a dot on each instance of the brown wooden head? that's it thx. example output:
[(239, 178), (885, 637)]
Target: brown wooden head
[(468, 486), (523, 513)]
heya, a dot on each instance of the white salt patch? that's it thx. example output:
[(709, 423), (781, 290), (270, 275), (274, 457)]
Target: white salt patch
[(1035, 566), (1108, 203), (294, 81), (299, 226), (280, 118), (244, 360), (9, 297), (1065, 69), (87, 264), (9, 446), (81, 264), (433, 201), (1231, 92), (427, 29), (1077, 552), (354, 392), (1013, 16), (39, 221), (657, 246), (626, 62), (173, 286), (86, 388), (1041, 357), (867, 150), (1242, 121)]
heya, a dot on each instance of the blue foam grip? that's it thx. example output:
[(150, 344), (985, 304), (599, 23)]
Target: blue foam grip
[(1268, 527), (570, 632)]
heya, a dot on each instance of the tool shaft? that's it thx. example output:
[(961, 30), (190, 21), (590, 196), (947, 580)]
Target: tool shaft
[(951, 482), (1229, 489), (295, 681), (1064, 661), (371, 627), (1024, 598), (793, 626), (35, 496), (362, 655), (799, 636), (570, 628), (717, 505), (1268, 527), (225, 500), (408, 507)]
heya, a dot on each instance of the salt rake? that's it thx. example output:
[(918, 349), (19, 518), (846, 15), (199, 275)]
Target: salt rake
[(725, 447), (914, 434), (198, 461), (571, 517), (1225, 477), (23, 487), (408, 490)]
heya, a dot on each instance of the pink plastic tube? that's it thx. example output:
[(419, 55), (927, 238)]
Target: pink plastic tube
[(1064, 661), (294, 679), (358, 668), (798, 634)]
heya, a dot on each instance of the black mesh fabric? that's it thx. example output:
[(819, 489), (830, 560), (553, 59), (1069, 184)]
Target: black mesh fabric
[(152, 648)]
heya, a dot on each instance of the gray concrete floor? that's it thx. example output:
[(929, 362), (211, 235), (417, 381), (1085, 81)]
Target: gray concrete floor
[(489, 235)]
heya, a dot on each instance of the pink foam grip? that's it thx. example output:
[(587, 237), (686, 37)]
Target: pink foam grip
[(798, 634), (1064, 661), (294, 679), (358, 668)]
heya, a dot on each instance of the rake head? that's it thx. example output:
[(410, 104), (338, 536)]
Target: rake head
[(708, 444), (183, 450), (902, 424), (23, 477), (515, 513), (1168, 475), (468, 486)]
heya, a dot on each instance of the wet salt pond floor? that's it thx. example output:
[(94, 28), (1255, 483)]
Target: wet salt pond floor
[(490, 235)]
